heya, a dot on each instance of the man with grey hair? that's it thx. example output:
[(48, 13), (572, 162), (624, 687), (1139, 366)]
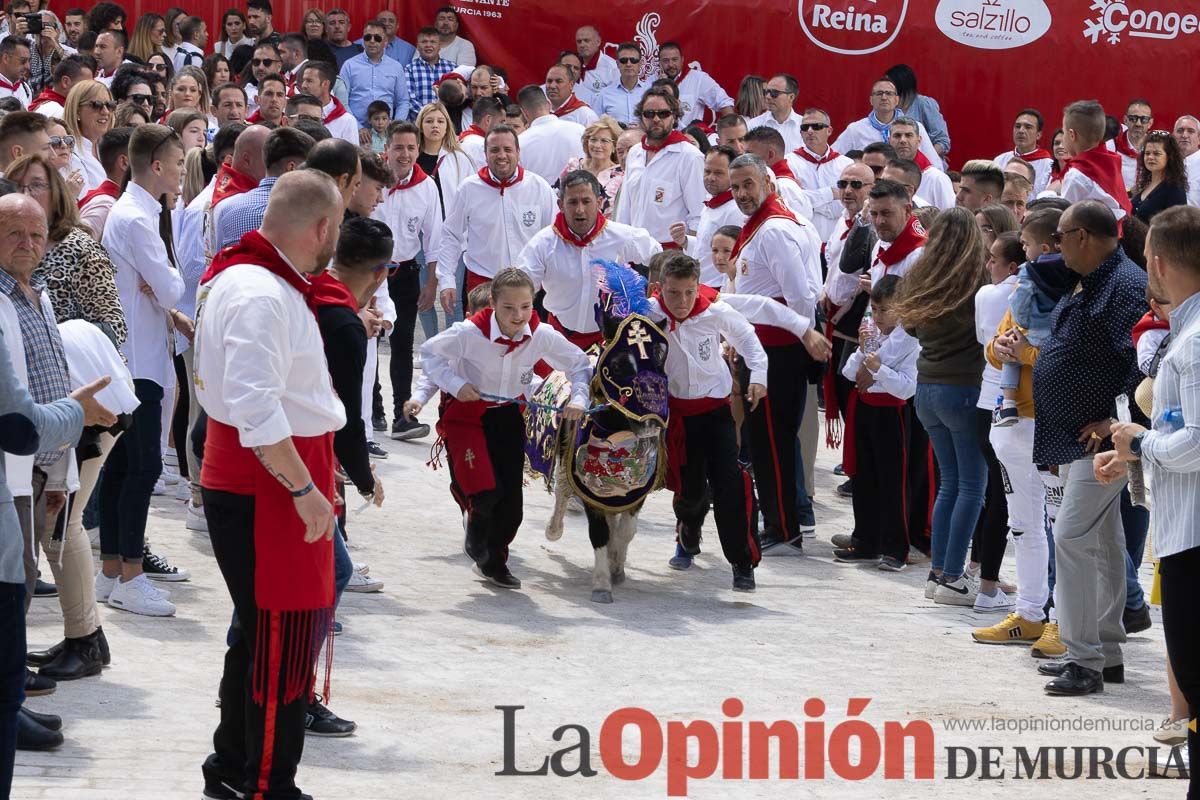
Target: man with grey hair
[(1187, 136), (935, 186), (559, 256), (817, 167), (599, 68), (874, 127)]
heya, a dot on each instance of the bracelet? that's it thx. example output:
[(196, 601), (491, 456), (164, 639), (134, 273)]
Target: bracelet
[(305, 490)]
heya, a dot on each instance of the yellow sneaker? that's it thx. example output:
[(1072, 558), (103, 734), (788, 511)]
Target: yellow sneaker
[(1013, 630), (1049, 646)]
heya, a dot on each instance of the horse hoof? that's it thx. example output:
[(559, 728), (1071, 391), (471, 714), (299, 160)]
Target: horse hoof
[(554, 534), (618, 576), (601, 596)]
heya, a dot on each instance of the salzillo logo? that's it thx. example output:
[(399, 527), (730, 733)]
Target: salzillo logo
[(1114, 18), (852, 28), (993, 24)]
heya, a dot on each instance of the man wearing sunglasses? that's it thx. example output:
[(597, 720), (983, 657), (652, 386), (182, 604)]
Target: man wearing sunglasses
[(697, 89), (876, 126), (620, 98), (69, 71), (780, 94), (817, 167), (266, 61), (370, 76), (1128, 143), (14, 65)]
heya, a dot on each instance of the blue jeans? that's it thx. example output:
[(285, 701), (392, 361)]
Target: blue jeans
[(429, 320), (1136, 521), (948, 415)]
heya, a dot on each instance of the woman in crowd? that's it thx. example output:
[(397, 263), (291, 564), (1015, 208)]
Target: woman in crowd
[(922, 108), (192, 127), (233, 33), (129, 115), (314, 24), (216, 70), (189, 89), (1059, 150), (750, 98), (600, 159), (149, 36), (1162, 179), (937, 306), (174, 18), (161, 64), (61, 144), (993, 220), (88, 114)]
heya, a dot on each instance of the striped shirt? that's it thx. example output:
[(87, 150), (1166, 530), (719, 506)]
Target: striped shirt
[(421, 75), (1171, 451), (244, 212)]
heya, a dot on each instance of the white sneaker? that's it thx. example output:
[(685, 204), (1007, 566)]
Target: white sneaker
[(362, 569), (194, 519), (170, 474), (183, 491), (139, 596), (808, 531), (961, 592), (104, 586), (93, 535), (160, 488), (997, 601), (170, 457), (1172, 733), (363, 583)]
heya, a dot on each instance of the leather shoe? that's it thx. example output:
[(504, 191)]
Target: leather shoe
[(37, 685), (40, 658), (1109, 674), (1137, 620), (50, 721), (32, 736), (1075, 681), (80, 658)]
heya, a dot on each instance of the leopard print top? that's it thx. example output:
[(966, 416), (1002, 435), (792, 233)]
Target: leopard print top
[(80, 280)]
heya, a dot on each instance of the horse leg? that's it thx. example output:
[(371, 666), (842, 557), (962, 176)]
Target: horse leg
[(599, 532), (562, 487), (628, 528)]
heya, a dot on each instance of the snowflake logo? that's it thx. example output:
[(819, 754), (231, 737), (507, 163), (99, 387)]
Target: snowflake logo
[(1095, 28)]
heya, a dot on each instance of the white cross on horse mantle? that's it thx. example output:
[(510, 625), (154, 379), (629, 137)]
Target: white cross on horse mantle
[(638, 337)]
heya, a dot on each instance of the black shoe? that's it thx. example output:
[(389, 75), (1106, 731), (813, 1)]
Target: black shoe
[(1137, 620), (157, 568), (1075, 681), (375, 451), (405, 429), (51, 722), (320, 721), (839, 470), (80, 658), (36, 685), (743, 579), (379, 423), (43, 589), (502, 577), (33, 736), (849, 555), (846, 489), (41, 658), (1109, 674), (221, 791)]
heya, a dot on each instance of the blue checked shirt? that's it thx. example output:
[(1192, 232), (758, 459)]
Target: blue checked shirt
[(421, 75), (45, 361), (243, 213)]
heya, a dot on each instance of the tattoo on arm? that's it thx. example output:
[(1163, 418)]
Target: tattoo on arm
[(262, 459)]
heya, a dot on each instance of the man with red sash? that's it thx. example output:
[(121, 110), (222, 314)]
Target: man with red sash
[(599, 68), (719, 210), (488, 111), (817, 167), (272, 101), (560, 91), (1092, 172), (559, 257), (495, 214), (936, 188), (241, 174), (316, 78), (53, 98), (268, 479), (1128, 143), (1027, 135), (113, 149), (767, 143), (776, 256)]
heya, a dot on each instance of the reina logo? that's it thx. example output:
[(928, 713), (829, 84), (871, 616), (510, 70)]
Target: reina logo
[(852, 27), (993, 24), (1115, 19)]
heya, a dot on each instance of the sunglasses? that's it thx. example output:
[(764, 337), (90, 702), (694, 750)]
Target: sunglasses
[(629, 60), (140, 99), (662, 114), (884, 94), (855, 185), (813, 126), (159, 68), (1160, 133), (99, 105), (263, 62), (1140, 119), (62, 141), (773, 93), (372, 37), (1057, 236)]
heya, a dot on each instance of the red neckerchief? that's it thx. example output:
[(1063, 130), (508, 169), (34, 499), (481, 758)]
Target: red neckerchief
[(1104, 168), (229, 183), (573, 104), (483, 321), (772, 208), (414, 178), (704, 298), (338, 111), (782, 170), (567, 235), (254, 248), (683, 72), (592, 62), (254, 118), (1121, 145), (912, 237), (674, 137), (830, 155), (1148, 323), (922, 161), (718, 200), (48, 95), (485, 175), (329, 291), (12, 87), (472, 130), (1033, 155), (105, 189), (1056, 173)]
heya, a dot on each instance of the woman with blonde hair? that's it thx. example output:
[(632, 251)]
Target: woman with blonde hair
[(189, 89), (937, 307), (149, 36), (88, 113), (600, 159), (129, 115)]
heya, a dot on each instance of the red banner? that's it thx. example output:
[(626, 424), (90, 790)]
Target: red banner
[(982, 60)]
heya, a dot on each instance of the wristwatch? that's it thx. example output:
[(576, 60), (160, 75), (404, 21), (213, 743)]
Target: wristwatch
[(1135, 444)]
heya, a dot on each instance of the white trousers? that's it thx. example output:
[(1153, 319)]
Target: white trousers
[(368, 385), (1026, 496)]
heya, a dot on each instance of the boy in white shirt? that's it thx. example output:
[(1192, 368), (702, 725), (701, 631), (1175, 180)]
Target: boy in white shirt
[(483, 365)]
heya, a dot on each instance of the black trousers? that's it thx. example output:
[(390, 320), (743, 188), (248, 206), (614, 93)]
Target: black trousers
[(881, 479), (404, 287), (238, 743), (773, 427), (494, 516), (991, 532), (922, 483), (712, 461), (12, 675), (1179, 575), (179, 420)]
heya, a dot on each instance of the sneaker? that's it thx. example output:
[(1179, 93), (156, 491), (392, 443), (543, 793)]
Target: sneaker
[(170, 474), (138, 596), (160, 488), (183, 491), (840, 471), (156, 568), (846, 489), (194, 519), (931, 584), (916, 556), (1013, 630), (1172, 733), (104, 586), (1049, 645), (681, 560), (892, 564), (1137, 620), (379, 424), (843, 540), (337, 628), (808, 531), (996, 601), (848, 555), (504, 579), (405, 429), (362, 568), (771, 546), (320, 721), (363, 583), (376, 451), (1006, 417), (743, 579), (959, 592)]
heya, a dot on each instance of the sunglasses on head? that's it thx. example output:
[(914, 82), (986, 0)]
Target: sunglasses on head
[(1141, 119), (629, 59), (98, 105), (856, 185), (813, 126), (773, 93), (62, 141), (661, 114), (372, 37), (263, 62)]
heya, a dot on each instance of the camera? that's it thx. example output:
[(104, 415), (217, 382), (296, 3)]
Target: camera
[(33, 21)]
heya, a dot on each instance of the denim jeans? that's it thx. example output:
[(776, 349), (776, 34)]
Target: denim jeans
[(429, 319), (1136, 521), (948, 415)]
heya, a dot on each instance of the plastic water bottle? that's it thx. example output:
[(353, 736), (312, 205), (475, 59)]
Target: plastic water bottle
[(873, 337), (1172, 419), (1137, 475)]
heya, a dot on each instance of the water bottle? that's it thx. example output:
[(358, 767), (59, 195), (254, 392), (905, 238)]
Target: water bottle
[(1172, 419), (1137, 475), (873, 338)]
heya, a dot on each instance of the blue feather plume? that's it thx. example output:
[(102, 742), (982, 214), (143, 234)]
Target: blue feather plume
[(626, 287)]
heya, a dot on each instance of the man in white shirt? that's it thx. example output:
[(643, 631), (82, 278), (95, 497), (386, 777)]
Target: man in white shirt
[(731, 131), (901, 242), (317, 79), (14, 64), (780, 94), (851, 187), (293, 57), (549, 142), (1027, 136), (266, 61), (719, 210), (599, 68), (1128, 143), (109, 52), (272, 101), (982, 183), (53, 97), (564, 104), (620, 98), (817, 167), (664, 173), (454, 48), (149, 285), (1187, 136), (698, 92), (875, 127), (193, 33), (494, 215), (94, 206), (488, 111), (935, 187), (767, 143), (559, 257)]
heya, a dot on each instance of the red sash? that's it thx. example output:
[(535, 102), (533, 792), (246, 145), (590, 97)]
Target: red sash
[(229, 183), (255, 118), (339, 110), (581, 340), (1104, 168), (1149, 322), (573, 104), (1034, 155), (105, 189), (592, 62), (567, 235), (473, 130), (677, 433), (415, 178), (329, 291), (912, 237), (772, 208), (782, 170), (877, 400), (718, 200), (674, 137), (1121, 145), (485, 175), (922, 161), (830, 155), (47, 96)]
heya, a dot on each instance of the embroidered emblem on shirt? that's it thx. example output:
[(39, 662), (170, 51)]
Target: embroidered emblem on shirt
[(660, 194), (412, 224), (528, 218), (705, 349)]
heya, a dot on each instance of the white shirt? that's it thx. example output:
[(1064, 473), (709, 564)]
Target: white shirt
[(492, 227), (668, 189), (842, 286), (259, 360), (251, 98), (472, 145), (564, 270), (19, 90), (835, 243), (1129, 164), (1042, 168), (344, 127), (182, 51), (991, 304), (1077, 187), (860, 133), (548, 144), (583, 115), (51, 108), (782, 259), (698, 91), (107, 78), (137, 251), (936, 188), (463, 355), (1192, 165), (794, 197), (414, 213), (459, 51), (88, 165), (694, 366), (604, 74), (95, 214), (817, 182), (699, 246), (789, 128), (897, 373)]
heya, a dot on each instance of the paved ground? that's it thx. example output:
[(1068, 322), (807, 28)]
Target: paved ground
[(422, 665)]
